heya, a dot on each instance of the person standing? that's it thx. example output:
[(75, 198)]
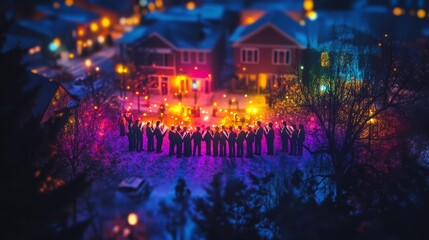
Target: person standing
[(216, 139), (131, 140), (159, 134), (137, 136), (149, 136), (197, 137), (232, 137), (172, 139), (250, 138), (207, 136), (122, 122), (179, 142), (222, 141), (293, 140), (187, 147), (258, 138), (285, 135), (240, 141), (269, 138), (301, 139)]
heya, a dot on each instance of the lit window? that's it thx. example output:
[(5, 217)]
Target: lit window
[(281, 56), (201, 57), (249, 55), (324, 59), (186, 58)]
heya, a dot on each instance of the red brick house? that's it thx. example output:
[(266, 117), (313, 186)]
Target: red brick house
[(266, 50), (177, 57)]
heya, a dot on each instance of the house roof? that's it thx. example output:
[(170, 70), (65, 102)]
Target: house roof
[(13, 41), (48, 27), (72, 14), (124, 8), (278, 19), (207, 12), (183, 35)]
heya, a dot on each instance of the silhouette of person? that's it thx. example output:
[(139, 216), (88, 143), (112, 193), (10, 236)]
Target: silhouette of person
[(172, 139), (138, 136), (149, 136), (269, 138), (232, 136), (131, 140), (258, 138), (285, 135), (179, 141), (187, 147), (240, 141), (250, 138), (122, 122), (216, 139), (222, 141), (207, 136), (197, 137), (293, 141), (301, 139), (159, 134)]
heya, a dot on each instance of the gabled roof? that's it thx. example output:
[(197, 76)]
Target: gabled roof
[(46, 26), (207, 12), (68, 13), (279, 20), (133, 35)]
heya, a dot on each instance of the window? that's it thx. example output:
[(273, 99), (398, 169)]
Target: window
[(249, 55), (186, 57), (201, 57), (281, 56), (160, 60)]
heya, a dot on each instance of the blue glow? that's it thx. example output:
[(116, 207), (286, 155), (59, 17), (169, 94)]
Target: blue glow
[(53, 47), (194, 85), (323, 88)]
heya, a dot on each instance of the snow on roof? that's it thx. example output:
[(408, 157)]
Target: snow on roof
[(47, 27), (209, 12), (72, 14), (278, 19), (13, 41), (133, 35)]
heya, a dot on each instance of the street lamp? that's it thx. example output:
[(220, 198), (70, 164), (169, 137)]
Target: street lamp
[(121, 69), (132, 221), (138, 100)]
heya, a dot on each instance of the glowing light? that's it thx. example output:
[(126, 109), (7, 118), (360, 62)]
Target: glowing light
[(69, 2), (190, 5), (302, 22), (93, 27), (195, 68), (312, 15), (88, 62), (301, 67), (101, 39), (143, 3), (89, 42), (151, 6), (55, 44), (71, 55), (97, 69), (323, 88), (308, 5), (421, 13), (379, 44), (224, 95), (34, 71), (244, 69), (159, 3), (132, 219), (397, 11), (206, 118), (324, 59), (250, 20), (245, 95), (56, 5), (105, 22)]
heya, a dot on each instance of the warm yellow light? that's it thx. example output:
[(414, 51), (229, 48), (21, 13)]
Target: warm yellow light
[(308, 5), (302, 22), (100, 39), (190, 5), (97, 69), (244, 69), (57, 42), (324, 59), (89, 42), (151, 6), (88, 62), (69, 2), (80, 32), (379, 44), (421, 13), (71, 55), (105, 22), (95, 107), (159, 3), (93, 27), (312, 15), (397, 11), (34, 71), (250, 20)]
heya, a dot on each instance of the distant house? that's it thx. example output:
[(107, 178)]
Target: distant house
[(33, 47), (177, 57), (266, 50), (51, 98)]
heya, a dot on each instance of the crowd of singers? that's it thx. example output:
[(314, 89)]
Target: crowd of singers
[(185, 142)]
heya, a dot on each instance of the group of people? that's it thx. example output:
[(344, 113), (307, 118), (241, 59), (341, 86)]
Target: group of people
[(186, 142)]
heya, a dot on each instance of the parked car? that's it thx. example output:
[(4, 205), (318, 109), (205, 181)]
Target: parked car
[(135, 187)]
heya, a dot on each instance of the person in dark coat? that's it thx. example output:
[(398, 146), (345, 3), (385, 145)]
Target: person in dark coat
[(187, 147), (293, 141), (138, 136), (269, 138), (159, 134), (250, 138), (240, 141), (258, 138), (131, 140), (197, 138), (122, 122), (301, 139), (172, 139), (285, 135), (232, 137), (208, 136), (216, 139), (179, 141), (149, 136), (222, 141)]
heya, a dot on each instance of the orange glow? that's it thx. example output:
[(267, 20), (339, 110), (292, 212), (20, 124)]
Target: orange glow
[(159, 3), (137, 92), (105, 22), (397, 11), (71, 55), (250, 20), (94, 27), (308, 5), (421, 13), (190, 5), (88, 63), (151, 6), (80, 32), (69, 2), (56, 5), (132, 219), (95, 107)]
